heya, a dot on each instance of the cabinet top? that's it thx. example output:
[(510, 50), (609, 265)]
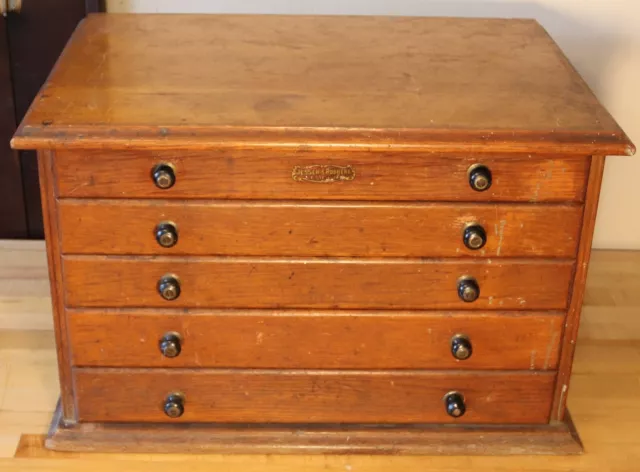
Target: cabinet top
[(339, 82)]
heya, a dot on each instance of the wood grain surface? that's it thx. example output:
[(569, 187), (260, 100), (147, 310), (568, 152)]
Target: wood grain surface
[(54, 265), (267, 174), (227, 282), (331, 340), (312, 229), (329, 396), (572, 322), (192, 440), (290, 80)]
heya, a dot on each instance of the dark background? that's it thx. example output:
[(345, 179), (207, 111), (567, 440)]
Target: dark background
[(30, 42)]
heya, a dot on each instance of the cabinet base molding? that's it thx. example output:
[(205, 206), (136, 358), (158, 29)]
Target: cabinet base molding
[(557, 438)]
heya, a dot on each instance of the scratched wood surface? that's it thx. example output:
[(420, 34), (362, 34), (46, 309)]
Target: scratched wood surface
[(267, 174), (286, 339), (608, 354), (202, 438), (51, 229), (312, 396), (349, 283), (298, 229), (572, 322), (291, 81)]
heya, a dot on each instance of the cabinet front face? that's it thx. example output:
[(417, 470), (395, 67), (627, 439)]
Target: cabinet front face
[(317, 306), (436, 293)]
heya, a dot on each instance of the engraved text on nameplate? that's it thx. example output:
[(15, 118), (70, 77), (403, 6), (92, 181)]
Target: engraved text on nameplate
[(322, 173)]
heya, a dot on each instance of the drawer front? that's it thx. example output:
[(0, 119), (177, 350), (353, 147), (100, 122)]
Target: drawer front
[(268, 396), (312, 175), (330, 340), (315, 283), (311, 229)]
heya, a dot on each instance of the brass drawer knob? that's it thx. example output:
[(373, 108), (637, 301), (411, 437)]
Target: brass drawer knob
[(461, 347), (170, 345), (479, 177), (454, 404), (166, 234), (163, 176), (174, 405), (468, 289), (474, 237), (169, 287)]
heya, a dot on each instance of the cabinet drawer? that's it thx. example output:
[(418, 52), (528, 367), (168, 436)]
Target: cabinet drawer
[(268, 396), (352, 175), (317, 229), (228, 282), (327, 340)]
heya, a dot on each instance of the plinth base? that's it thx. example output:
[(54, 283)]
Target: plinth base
[(558, 438)]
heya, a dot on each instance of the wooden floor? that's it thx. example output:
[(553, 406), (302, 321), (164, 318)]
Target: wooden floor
[(604, 398)]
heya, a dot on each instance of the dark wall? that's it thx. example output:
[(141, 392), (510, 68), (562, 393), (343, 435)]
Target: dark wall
[(30, 43)]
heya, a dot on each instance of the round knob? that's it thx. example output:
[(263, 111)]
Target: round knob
[(461, 347), (468, 289), (169, 287), (174, 405), (474, 237), (170, 345), (163, 176), (454, 403), (479, 178), (166, 234)]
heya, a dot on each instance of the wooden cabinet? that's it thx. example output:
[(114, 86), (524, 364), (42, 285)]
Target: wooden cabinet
[(261, 240)]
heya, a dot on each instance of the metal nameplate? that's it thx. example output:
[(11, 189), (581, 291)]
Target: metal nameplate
[(323, 173)]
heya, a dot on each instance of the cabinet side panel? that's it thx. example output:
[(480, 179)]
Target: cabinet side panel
[(572, 321), (50, 213)]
